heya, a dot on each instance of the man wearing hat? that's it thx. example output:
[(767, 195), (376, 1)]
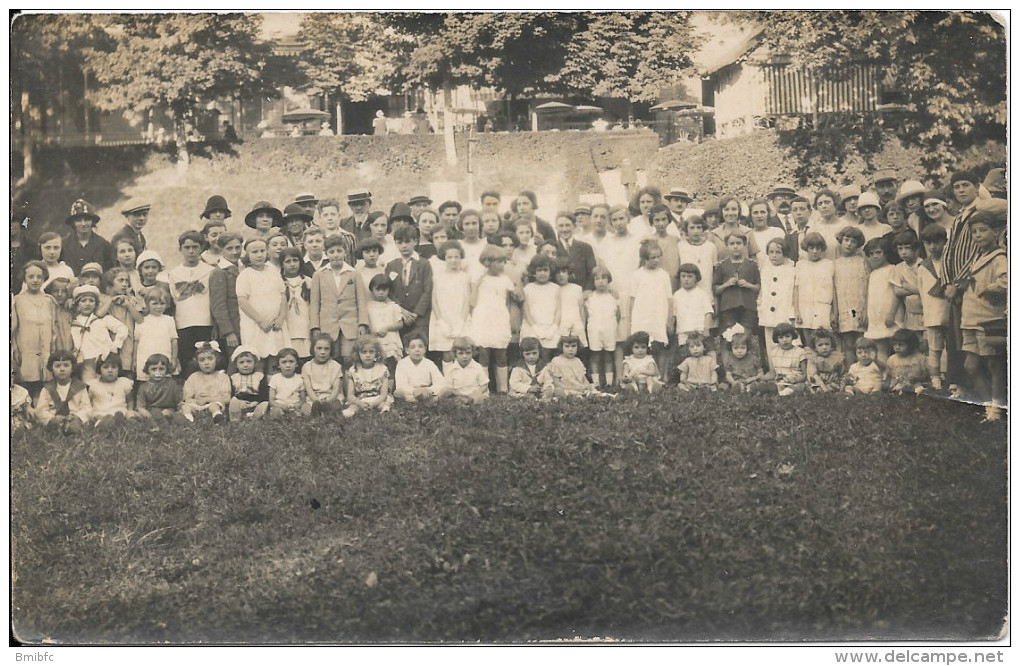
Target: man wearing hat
[(360, 200), (886, 185), (216, 210), (779, 201), (307, 201), (137, 214), (296, 219), (957, 258), (418, 203), (82, 245), (677, 200)]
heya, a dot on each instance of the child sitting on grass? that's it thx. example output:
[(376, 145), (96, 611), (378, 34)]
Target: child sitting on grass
[(286, 388), (368, 379), (110, 394), (160, 395), (741, 363), (907, 368), (699, 369), (825, 368), (640, 373), (248, 385), (524, 377), (63, 403), (208, 390), (467, 379), (865, 376), (323, 378), (564, 375), (789, 363), (418, 379)]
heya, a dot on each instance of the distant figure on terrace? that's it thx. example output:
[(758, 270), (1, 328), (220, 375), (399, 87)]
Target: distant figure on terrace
[(421, 123), (379, 123)]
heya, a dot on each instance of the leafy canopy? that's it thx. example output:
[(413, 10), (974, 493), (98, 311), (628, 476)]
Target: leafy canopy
[(352, 54)]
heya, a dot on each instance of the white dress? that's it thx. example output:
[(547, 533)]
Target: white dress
[(153, 336), (264, 290), (704, 257), (814, 280), (775, 300), (571, 322), (652, 292), (490, 320), (542, 301), (602, 309), (383, 315), (450, 298), (880, 297)]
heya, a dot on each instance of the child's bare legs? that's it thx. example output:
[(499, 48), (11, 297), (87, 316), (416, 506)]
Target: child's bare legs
[(618, 355), (502, 372), (595, 368), (996, 368), (661, 354), (215, 410), (975, 368)]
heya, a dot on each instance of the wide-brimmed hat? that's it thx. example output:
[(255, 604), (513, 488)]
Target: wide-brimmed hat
[(910, 188), (295, 211), (215, 203), (884, 174), (306, 199), (260, 207), (135, 206), (995, 181), (997, 208), (420, 199), (848, 192), (358, 195), (782, 189), (868, 199), (401, 212), (81, 208), (678, 193)]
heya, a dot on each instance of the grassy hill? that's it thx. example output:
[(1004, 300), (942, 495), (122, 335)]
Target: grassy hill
[(559, 166)]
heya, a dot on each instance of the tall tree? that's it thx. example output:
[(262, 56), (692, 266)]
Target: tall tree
[(47, 52), (629, 54), (949, 66), (180, 61), (350, 55)]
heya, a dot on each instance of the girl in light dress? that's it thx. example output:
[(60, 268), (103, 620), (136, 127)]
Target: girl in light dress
[(127, 255), (368, 380), (451, 300), (385, 320), (110, 394), (156, 333), (880, 298), (697, 249), (262, 305), (699, 370), (286, 387), (127, 308), (297, 292), (789, 363), (491, 296), (850, 277), (470, 226), (525, 249), (93, 336), (640, 373), (652, 300), (602, 311), (813, 289), (571, 302), (775, 300), (33, 328), (761, 232), (542, 306), (564, 376), (207, 391), (440, 236)]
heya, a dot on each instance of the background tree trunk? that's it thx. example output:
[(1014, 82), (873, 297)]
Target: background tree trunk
[(451, 146), (27, 141), (183, 157)]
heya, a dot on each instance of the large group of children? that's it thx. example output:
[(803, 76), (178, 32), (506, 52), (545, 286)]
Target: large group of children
[(900, 289)]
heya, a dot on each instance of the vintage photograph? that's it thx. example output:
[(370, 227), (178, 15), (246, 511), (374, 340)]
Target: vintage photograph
[(350, 328)]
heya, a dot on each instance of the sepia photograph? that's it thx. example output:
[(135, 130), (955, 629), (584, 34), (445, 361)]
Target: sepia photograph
[(509, 328)]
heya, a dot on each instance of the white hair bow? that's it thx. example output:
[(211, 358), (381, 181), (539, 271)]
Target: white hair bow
[(731, 331)]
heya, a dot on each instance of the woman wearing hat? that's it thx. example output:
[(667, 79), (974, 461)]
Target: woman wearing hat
[(295, 220), (216, 209), (848, 197), (264, 217), (82, 245), (911, 199)]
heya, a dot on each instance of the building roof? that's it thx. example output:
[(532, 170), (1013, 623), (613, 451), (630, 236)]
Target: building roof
[(733, 49)]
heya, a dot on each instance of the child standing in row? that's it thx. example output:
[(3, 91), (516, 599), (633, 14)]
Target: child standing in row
[(261, 304), (157, 332), (850, 278), (93, 336), (451, 301), (904, 283), (33, 321), (778, 285), (126, 308), (813, 289), (880, 298), (491, 296), (933, 304), (651, 300), (338, 301), (737, 283), (297, 293), (542, 306), (603, 315)]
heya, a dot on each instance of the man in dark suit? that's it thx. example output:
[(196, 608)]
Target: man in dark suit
[(412, 284), (780, 199), (360, 201), (137, 214), (800, 212), (578, 253)]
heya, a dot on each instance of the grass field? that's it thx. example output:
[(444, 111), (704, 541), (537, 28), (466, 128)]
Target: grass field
[(659, 518)]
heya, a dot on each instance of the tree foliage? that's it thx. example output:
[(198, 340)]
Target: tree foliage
[(180, 61), (352, 55), (629, 54), (950, 67)]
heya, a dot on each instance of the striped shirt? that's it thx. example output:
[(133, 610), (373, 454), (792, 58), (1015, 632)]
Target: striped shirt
[(961, 250)]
